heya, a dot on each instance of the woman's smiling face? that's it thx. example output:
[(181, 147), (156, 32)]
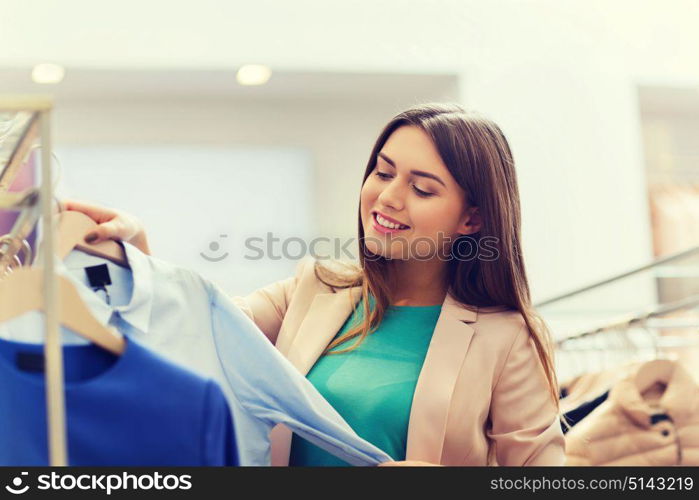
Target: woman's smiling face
[(410, 203)]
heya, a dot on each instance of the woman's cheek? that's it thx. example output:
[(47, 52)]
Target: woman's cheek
[(368, 195)]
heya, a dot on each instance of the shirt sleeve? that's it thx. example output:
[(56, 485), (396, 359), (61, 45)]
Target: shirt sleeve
[(524, 424), (218, 440), (267, 306), (272, 389)]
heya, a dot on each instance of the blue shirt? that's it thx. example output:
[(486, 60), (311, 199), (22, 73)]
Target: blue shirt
[(131, 410), (191, 322)]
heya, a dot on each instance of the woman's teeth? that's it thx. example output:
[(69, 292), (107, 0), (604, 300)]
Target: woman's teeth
[(390, 225)]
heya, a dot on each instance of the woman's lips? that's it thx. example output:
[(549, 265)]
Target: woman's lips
[(381, 229)]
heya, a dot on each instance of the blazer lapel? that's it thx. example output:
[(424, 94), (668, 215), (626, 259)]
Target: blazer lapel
[(435, 386), (326, 315)]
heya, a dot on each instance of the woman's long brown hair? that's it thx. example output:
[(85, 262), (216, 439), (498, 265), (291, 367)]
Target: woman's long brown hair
[(475, 151)]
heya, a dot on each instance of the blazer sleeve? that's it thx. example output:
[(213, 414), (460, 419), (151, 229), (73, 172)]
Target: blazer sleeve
[(524, 424), (267, 306)]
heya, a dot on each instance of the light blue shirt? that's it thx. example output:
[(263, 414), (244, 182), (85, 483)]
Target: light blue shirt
[(190, 321)]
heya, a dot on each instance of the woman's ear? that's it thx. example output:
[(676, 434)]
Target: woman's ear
[(471, 222)]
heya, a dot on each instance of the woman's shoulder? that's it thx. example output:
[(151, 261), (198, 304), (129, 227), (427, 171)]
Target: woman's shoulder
[(325, 276), (498, 325), (498, 317), (501, 315)]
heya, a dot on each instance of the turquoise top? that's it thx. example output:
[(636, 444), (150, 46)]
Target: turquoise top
[(372, 386)]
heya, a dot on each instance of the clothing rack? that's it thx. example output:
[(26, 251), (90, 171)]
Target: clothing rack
[(10, 244), (39, 126), (640, 320), (15, 143), (15, 200), (670, 259), (674, 174)]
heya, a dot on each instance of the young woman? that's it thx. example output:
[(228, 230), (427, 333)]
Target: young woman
[(430, 348)]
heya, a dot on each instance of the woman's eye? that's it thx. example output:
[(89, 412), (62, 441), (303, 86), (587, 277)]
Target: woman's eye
[(418, 191), (422, 193)]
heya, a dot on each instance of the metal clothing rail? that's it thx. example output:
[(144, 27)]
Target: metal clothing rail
[(55, 394), (17, 200), (688, 303), (691, 252), (675, 174), (28, 204), (15, 145), (41, 106)]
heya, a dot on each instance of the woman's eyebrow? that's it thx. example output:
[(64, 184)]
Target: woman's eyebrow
[(419, 173)]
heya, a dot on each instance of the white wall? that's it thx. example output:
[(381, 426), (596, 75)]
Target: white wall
[(574, 133), (203, 206)]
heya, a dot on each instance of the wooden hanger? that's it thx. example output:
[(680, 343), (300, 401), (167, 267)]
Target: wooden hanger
[(22, 292), (73, 227)]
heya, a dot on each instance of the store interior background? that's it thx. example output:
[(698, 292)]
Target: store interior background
[(595, 97)]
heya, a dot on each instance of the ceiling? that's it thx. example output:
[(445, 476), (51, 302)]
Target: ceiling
[(92, 84)]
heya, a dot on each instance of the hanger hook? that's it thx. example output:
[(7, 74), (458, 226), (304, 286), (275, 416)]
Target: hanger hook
[(27, 253), (655, 341)]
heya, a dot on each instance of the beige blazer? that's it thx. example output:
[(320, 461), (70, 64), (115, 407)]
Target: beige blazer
[(481, 396)]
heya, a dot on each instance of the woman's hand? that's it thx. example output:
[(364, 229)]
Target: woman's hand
[(111, 224), (408, 463)]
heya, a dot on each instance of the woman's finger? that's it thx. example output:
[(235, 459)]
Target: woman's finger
[(111, 230), (95, 212)]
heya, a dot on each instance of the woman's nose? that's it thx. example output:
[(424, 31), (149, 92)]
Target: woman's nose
[(392, 196)]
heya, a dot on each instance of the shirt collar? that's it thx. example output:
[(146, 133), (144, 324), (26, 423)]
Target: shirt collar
[(680, 399), (137, 312)]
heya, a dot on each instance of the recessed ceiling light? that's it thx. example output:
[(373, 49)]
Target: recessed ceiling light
[(48, 73), (253, 74)]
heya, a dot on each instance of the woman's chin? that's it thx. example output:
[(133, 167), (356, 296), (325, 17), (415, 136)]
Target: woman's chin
[(372, 252)]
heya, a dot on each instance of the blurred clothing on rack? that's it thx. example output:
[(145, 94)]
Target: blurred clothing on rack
[(674, 217), (136, 409), (24, 179), (686, 339), (574, 416), (675, 225), (659, 427)]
